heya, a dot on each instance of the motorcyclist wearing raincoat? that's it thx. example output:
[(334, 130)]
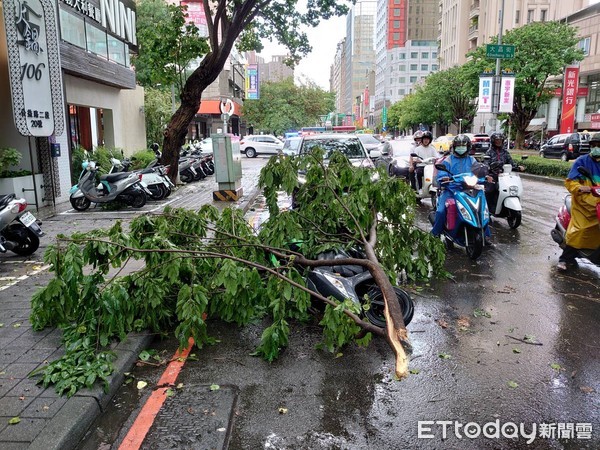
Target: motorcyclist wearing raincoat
[(584, 229)]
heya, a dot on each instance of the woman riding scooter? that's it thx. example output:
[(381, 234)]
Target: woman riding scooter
[(459, 162), (424, 151), (584, 227)]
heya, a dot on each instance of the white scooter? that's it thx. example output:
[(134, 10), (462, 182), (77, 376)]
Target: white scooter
[(506, 201), (154, 179), (428, 190)]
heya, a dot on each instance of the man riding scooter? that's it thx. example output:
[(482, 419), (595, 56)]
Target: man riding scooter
[(497, 153), (584, 228), (459, 161)]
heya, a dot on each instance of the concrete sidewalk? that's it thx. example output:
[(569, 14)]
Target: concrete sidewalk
[(48, 421)]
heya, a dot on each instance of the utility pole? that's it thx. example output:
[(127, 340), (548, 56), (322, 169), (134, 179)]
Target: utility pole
[(497, 79)]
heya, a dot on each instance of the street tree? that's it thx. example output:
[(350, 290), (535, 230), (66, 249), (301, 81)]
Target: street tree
[(204, 265), (245, 22), (157, 110), (542, 50), (167, 45), (284, 106), (406, 113)]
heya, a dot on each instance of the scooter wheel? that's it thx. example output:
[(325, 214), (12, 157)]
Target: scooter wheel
[(513, 219), (375, 313), (475, 244), (80, 203), (139, 199), (27, 241)]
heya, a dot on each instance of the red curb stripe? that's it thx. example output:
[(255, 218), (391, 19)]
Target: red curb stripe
[(138, 431)]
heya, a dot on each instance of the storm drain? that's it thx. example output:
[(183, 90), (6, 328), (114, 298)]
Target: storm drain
[(195, 417)]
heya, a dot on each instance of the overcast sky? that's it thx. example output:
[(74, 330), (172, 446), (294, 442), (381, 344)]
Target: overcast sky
[(323, 40)]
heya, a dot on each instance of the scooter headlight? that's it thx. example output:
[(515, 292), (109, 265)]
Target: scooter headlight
[(464, 212), (470, 181), (338, 285), (513, 191)]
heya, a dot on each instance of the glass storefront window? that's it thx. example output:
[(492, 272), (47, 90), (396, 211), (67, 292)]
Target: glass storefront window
[(116, 50), (96, 41), (72, 29)]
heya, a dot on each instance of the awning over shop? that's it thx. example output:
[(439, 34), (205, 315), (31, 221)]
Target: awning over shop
[(212, 107), (537, 124)]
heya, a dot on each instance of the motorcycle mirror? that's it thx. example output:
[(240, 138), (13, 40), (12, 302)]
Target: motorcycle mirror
[(414, 155), (441, 167)]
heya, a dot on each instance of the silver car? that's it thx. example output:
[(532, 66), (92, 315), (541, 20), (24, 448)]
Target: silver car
[(260, 144)]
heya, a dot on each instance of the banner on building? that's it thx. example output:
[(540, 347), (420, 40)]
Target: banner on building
[(34, 67), (196, 15), (507, 94), (569, 99), (485, 94), (252, 82)]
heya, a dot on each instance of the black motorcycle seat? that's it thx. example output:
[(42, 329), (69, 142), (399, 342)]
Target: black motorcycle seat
[(5, 199), (112, 177)]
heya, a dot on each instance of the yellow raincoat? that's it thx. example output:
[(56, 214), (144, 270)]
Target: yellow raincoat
[(584, 228)]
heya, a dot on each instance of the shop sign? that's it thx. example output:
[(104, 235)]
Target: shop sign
[(507, 91), (34, 67), (252, 83)]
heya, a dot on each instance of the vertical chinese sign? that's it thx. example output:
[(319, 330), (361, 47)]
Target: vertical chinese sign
[(569, 93), (34, 67), (507, 92), (252, 82), (485, 94)]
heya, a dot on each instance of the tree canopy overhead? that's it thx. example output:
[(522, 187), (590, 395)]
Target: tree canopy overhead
[(244, 23), (284, 106)]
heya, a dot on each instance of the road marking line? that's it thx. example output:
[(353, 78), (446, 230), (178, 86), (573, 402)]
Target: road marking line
[(138, 431), (24, 277)]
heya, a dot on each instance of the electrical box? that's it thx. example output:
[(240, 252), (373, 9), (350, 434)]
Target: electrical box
[(228, 164)]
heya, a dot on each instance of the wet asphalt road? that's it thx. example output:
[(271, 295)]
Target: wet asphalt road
[(469, 364)]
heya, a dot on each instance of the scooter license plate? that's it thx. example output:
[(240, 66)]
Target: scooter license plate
[(27, 219)]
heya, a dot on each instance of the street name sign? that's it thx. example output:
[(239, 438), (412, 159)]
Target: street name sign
[(500, 51)]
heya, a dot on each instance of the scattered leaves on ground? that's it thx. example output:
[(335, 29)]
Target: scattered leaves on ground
[(414, 371), (14, 421), (512, 384), (516, 350), (169, 392), (529, 338), (215, 387), (463, 322), (556, 366), (141, 384), (283, 410), (478, 312), (587, 389), (16, 325), (179, 386), (442, 323), (444, 355), (221, 430)]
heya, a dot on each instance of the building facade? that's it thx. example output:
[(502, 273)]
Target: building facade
[(467, 24), (102, 104), (406, 48)]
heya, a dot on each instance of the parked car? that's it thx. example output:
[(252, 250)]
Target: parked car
[(260, 144), (564, 146), (584, 149), (291, 145), (348, 144), (480, 143), (373, 144), (442, 143)]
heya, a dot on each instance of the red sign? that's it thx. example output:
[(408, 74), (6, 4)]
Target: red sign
[(569, 99), (595, 117)]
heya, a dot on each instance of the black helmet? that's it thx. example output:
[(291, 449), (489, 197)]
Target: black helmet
[(495, 136), (461, 141), (427, 135), (418, 135)]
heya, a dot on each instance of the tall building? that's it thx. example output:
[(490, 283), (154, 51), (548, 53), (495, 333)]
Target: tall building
[(467, 24), (358, 56), (406, 48), (274, 70)]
